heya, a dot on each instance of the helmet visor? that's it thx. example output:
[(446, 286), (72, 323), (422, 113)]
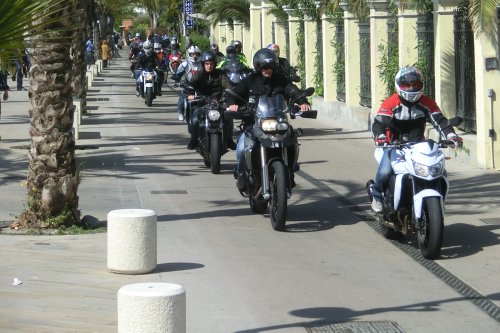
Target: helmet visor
[(411, 86)]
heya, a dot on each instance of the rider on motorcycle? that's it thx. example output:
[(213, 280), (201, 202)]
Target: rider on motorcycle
[(264, 81), (208, 82), (187, 69), (146, 60), (284, 68), (409, 110), (239, 51), (219, 56), (163, 65)]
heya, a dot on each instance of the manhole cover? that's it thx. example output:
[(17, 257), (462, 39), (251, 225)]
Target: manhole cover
[(170, 192), (358, 327)]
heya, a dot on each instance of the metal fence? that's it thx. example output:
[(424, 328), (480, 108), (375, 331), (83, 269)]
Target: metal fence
[(425, 47), (364, 46), (464, 70), (319, 57), (339, 69)]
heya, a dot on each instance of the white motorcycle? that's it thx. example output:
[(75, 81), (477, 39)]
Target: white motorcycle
[(413, 202), (148, 85)]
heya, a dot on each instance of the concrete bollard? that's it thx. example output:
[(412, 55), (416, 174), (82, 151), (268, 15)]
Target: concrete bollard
[(152, 307), (90, 77), (77, 116), (99, 65), (132, 241)]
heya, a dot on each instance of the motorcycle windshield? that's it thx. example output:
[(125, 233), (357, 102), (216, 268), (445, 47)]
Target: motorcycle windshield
[(270, 107)]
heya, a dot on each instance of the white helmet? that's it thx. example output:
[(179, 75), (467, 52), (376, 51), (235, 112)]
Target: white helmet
[(157, 47), (193, 53), (148, 47), (408, 83)]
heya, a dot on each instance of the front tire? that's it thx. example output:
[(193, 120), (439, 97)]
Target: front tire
[(278, 204), (149, 96), (215, 153), (430, 235)]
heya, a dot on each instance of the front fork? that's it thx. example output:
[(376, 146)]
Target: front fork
[(266, 191)]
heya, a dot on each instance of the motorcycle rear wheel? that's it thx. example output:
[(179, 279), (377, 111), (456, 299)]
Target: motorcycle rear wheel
[(278, 203), (430, 235), (149, 96), (215, 153)]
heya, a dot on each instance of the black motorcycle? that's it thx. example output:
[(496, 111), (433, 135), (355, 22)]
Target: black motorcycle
[(271, 150), (211, 137)]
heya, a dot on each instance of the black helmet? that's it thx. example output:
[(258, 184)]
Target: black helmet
[(214, 47), (207, 56), (264, 58), (230, 50)]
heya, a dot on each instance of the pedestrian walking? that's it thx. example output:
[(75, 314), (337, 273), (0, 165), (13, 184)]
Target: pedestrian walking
[(89, 52)]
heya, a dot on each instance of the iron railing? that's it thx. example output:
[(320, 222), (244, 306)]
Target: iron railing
[(339, 69), (425, 48), (464, 70), (364, 63)]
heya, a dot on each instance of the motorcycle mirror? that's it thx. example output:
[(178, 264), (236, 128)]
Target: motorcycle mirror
[(455, 121), (235, 95)]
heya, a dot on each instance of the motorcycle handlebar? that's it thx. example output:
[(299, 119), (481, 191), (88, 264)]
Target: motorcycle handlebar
[(401, 145)]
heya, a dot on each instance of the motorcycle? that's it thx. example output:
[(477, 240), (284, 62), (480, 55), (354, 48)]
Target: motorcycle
[(413, 203), (174, 60), (148, 85), (211, 140), (268, 170)]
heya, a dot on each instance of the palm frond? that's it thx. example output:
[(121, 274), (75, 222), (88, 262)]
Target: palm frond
[(22, 19), (482, 14), (228, 11)]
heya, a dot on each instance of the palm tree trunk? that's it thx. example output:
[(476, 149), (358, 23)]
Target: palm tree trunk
[(78, 54), (52, 177)]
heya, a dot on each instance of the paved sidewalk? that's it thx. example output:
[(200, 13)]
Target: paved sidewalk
[(65, 284)]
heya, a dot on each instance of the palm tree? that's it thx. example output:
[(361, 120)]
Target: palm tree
[(229, 11), (52, 177)]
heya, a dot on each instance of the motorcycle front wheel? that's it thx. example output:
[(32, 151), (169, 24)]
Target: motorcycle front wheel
[(215, 153), (149, 96), (278, 204), (430, 235)]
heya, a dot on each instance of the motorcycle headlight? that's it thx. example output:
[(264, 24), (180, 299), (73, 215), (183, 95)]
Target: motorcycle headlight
[(424, 170), (149, 76), (269, 125), (272, 125), (213, 115)]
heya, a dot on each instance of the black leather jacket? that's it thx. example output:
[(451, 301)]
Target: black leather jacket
[(256, 85)]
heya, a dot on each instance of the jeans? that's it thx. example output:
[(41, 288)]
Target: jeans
[(194, 123), (240, 153), (19, 75), (180, 102), (384, 172)]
